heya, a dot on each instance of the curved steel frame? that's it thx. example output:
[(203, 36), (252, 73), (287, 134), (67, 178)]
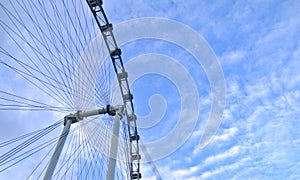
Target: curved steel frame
[(115, 54)]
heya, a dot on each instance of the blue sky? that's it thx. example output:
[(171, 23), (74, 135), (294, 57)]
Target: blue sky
[(257, 45), (258, 48)]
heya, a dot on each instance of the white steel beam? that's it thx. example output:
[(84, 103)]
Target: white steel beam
[(114, 145)]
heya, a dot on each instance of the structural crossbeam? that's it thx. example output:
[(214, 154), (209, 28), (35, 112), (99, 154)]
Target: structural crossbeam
[(74, 118), (106, 29)]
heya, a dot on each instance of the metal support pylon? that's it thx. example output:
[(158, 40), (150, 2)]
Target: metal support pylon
[(113, 152), (106, 29), (60, 144), (76, 117)]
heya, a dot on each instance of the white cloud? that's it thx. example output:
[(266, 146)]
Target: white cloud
[(228, 133), (260, 53), (223, 169), (233, 56), (225, 136), (229, 153)]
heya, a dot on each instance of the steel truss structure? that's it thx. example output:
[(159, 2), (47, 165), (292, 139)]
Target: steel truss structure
[(116, 111), (50, 32), (106, 29)]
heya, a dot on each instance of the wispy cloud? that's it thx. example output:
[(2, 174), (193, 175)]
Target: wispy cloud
[(258, 137), (258, 47)]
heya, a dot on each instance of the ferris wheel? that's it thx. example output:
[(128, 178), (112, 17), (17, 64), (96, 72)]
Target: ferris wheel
[(54, 64)]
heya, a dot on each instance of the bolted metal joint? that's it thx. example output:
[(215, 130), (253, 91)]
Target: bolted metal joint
[(111, 110), (114, 110), (106, 27), (135, 137), (136, 175), (71, 118), (136, 157), (78, 115), (94, 3), (116, 52)]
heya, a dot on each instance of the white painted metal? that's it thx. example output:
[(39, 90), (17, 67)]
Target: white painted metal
[(58, 149), (73, 118), (106, 29), (114, 145), (82, 114)]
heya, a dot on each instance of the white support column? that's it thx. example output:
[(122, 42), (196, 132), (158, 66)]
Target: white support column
[(72, 118), (114, 145), (58, 149), (81, 114)]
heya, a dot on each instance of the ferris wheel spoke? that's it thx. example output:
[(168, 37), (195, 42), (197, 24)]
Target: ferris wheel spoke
[(82, 45), (20, 100), (52, 39), (52, 43), (30, 78), (75, 154), (69, 148), (87, 152), (42, 42), (19, 34), (11, 158), (115, 54)]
